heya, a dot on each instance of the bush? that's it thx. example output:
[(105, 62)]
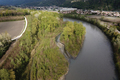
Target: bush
[(32, 57), (72, 37), (4, 74), (14, 12), (5, 41)]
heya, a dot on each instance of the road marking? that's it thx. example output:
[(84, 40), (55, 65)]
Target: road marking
[(22, 31)]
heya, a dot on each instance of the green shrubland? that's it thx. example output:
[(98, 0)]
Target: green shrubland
[(73, 36), (35, 55), (110, 32), (7, 74), (5, 41), (13, 15), (17, 12)]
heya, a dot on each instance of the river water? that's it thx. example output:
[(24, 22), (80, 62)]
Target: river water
[(95, 59)]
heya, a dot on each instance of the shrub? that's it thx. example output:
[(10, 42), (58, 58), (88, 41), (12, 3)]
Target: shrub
[(5, 41)]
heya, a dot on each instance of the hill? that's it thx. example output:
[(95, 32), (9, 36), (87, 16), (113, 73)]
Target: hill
[(95, 4), (82, 4), (31, 2)]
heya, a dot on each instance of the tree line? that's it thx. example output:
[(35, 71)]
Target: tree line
[(73, 36), (19, 12)]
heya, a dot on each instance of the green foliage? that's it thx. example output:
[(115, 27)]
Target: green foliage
[(45, 66), (72, 36), (118, 27), (49, 21), (4, 74), (14, 12), (5, 41), (36, 55)]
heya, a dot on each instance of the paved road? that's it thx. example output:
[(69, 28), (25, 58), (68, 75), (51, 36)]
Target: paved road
[(14, 28)]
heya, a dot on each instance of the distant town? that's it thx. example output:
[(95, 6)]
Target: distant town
[(65, 10)]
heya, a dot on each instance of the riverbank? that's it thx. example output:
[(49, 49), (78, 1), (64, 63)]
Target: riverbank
[(75, 42), (36, 55), (110, 32)]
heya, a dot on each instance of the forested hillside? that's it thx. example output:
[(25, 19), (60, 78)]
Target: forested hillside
[(32, 2), (83, 4), (95, 4)]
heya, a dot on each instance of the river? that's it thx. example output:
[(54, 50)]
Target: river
[(95, 59)]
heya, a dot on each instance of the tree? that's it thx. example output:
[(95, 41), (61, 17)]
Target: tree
[(4, 74)]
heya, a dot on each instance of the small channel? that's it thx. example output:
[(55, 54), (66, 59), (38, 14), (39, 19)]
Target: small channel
[(95, 59)]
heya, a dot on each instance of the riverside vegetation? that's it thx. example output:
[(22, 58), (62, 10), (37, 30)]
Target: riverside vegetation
[(5, 42), (110, 32), (72, 37), (12, 15), (8, 15), (36, 55)]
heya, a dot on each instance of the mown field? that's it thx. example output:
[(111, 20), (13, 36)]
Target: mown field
[(36, 55), (11, 18)]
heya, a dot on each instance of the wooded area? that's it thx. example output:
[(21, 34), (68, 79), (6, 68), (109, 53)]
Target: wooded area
[(36, 55), (94, 4), (73, 36)]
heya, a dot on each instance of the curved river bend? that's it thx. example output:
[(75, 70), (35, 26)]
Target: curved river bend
[(95, 59)]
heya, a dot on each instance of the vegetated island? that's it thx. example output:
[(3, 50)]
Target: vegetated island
[(36, 55), (72, 36), (111, 30)]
